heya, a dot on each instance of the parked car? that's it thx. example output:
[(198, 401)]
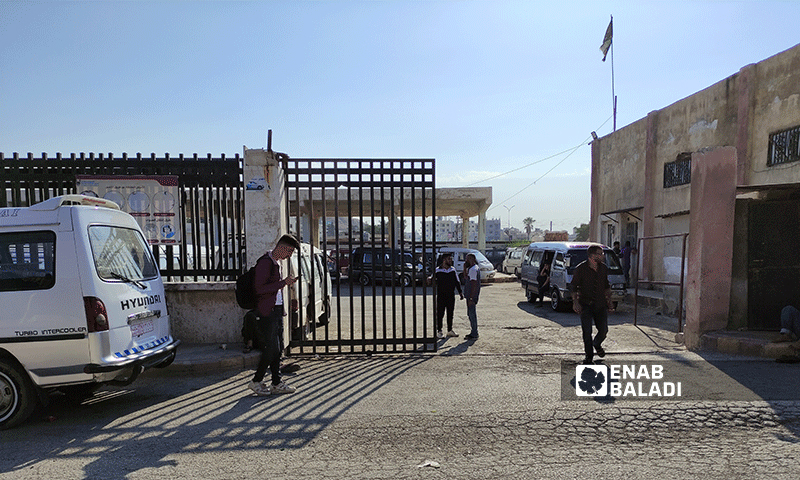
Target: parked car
[(563, 257), (460, 255), (83, 302), (369, 265), (513, 260), (313, 286)]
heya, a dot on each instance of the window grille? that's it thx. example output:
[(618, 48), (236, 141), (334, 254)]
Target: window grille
[(678, 172), (784, 147)]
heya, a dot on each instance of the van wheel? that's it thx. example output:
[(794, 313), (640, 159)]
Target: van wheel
[(405, 280), (17, 395), (531, 297), (555, 300), (365, 280)]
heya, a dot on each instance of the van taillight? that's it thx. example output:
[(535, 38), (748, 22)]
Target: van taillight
[(96, 315)]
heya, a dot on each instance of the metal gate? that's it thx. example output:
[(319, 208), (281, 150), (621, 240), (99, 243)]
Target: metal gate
[(211, 204), (773, 262), (372, 223)]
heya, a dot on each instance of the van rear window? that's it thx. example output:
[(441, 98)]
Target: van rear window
[(121, 254), (27, 261)]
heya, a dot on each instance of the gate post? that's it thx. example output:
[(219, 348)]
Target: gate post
[(264, 202)]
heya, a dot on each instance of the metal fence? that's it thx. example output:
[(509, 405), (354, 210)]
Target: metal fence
[(211, 204), (370, 217)]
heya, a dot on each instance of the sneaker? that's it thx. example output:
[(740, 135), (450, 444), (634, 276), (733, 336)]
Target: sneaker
[(259, 389), (281, 388), (439, 334), (600, 352), (452, 334), (587, 361), (470, 337)]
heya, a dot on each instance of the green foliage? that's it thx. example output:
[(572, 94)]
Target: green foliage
[(581, 233)]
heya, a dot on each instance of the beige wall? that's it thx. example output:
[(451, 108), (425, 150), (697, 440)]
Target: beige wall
[(204, 312), (740, 111), (776, 107)]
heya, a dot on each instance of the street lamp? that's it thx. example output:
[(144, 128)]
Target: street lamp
[(509, 214)]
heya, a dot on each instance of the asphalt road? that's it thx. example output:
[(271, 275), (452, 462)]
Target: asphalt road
[(489, 409)]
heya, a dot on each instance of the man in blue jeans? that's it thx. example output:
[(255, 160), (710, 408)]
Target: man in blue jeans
[(270, 309), (472, 290), (790, 326), (591, 299)]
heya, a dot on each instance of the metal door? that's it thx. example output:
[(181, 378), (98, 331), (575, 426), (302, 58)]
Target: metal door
[(338, 205), (773, 261)]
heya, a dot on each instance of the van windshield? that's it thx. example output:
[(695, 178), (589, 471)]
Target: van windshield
[(480, 257), (121, 254), (575, 257)]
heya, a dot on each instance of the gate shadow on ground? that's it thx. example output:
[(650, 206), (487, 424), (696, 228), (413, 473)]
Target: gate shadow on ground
[(128, 429)]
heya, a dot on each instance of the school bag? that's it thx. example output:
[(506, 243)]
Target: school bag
[(245, 289)]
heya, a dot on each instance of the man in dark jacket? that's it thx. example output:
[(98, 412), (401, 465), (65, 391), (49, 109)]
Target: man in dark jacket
[(591, 299), (270, 310), (447, 283)]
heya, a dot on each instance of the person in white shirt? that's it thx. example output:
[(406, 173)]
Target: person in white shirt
[(472, 290)]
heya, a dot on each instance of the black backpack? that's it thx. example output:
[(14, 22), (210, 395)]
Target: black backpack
[(245, 289)]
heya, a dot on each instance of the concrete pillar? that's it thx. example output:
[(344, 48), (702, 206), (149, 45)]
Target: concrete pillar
[(710, 249), (314, 237), (744, 107), (651, 176), (264, 210), (465, 232), (595, 222), (482, 231)]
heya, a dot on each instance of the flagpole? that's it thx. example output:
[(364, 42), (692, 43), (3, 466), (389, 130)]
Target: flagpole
[(613, 94)]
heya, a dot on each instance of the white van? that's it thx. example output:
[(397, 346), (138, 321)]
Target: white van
[(563, 257), (315, 289), (460, 255), (82, 302), (513, 260)]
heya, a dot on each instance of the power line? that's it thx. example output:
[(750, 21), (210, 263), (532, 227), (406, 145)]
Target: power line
[(524, 166), (571, 151)]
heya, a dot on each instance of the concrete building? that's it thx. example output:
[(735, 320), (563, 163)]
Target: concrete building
[(449, 230), (722, 165)]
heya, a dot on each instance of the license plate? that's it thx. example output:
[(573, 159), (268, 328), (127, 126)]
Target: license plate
[(139, 329)]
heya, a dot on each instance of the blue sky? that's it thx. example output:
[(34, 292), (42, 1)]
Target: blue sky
[(484, 87)]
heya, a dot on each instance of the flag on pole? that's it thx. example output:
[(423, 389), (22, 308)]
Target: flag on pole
[(607, 39)]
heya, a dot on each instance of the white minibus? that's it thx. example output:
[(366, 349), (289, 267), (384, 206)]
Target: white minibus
[(82, 302)]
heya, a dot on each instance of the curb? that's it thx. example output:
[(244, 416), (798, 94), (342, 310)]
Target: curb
[(734, 343)]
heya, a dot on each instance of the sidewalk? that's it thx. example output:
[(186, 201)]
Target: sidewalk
[(733, 342)]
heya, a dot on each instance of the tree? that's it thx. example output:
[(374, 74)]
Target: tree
[(528, 222), (582, 232)]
